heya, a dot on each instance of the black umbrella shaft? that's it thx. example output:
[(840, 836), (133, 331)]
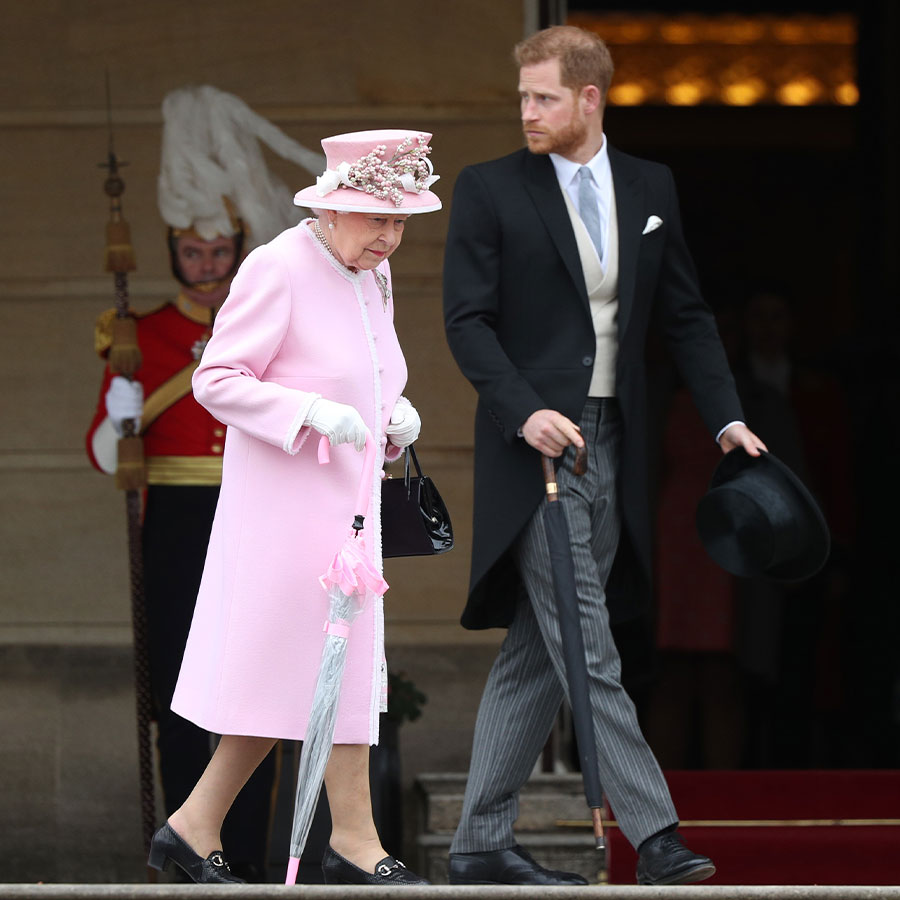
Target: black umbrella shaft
[(563, 569)]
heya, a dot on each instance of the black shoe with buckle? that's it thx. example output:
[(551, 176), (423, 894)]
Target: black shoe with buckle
[(511, 866), (663, 859), (168, 847), (338, 870)]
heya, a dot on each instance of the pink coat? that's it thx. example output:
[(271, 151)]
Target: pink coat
[(296, 326)]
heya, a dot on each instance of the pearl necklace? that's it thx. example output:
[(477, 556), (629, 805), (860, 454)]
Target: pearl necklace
[(380, 279), (320, 236)]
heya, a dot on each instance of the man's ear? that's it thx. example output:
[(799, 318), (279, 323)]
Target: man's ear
[(590, 98)]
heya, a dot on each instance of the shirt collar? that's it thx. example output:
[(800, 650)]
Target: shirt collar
[(567, 170)]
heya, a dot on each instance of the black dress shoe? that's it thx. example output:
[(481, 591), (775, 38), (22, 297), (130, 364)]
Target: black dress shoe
[(338, 870), (511, 866), (663, 859), (169, 847)]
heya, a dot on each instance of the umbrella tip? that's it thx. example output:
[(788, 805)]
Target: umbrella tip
[(358, 521)]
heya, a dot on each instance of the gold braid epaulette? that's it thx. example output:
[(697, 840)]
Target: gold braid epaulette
[(103, 332), (103, 328)]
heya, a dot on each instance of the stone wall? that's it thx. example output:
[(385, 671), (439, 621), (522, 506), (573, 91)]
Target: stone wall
[(66, 705), (313, 74)]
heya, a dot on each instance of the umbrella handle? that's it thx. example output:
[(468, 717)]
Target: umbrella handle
[(579, 468), (549, 478), (580, 465), (365, 484)]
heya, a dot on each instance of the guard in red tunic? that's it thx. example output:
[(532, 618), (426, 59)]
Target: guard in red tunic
[(183, 452), (200, 200)]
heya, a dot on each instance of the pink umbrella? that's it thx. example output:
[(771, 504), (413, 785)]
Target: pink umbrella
[(350, 580)]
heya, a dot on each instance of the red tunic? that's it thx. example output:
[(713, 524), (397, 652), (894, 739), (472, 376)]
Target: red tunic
[(167, 337)]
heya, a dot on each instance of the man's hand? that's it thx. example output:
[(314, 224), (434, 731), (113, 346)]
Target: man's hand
[(551, 432), (738, 435)]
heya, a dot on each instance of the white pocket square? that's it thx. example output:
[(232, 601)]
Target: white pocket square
[(652, 224)]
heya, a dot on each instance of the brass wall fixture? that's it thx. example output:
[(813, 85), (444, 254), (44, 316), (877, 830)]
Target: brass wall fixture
[(729, 60)]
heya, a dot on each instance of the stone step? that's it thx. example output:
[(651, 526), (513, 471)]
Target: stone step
[(543, 801)]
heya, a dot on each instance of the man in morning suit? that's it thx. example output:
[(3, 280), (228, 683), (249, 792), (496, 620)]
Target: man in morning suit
[(558, 257)]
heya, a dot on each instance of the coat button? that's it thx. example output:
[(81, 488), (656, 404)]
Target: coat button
[(587, 360), (216, 448), (218, 432)]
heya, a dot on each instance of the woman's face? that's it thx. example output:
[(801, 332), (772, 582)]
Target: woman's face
[(363, 240)]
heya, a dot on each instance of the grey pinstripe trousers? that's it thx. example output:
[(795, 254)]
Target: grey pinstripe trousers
[(527, 682)]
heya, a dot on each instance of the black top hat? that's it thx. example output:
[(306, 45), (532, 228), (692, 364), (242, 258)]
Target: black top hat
[(758, 519)]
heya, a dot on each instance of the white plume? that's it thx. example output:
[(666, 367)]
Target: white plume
[(210, 150)]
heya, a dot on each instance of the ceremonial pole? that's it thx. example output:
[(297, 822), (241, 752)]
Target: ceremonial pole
[(125, 359)]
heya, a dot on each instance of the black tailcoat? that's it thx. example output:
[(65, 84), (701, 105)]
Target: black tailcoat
[(519, 325)]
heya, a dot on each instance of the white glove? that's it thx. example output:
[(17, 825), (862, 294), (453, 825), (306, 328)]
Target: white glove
[(405, 424), (340, 423), (124, 400)]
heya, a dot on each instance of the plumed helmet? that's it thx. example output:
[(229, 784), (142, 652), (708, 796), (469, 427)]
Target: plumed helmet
[(213, 178)]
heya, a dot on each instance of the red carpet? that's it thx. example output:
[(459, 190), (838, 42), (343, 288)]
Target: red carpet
[(799, 849)]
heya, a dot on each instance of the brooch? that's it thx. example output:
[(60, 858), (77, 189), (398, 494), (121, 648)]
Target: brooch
[(199, 346), (382, 282)]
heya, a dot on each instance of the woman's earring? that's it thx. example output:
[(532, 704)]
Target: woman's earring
[(331, 225)]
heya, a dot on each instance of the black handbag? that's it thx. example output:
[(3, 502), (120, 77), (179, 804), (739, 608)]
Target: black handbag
[(414, 519)]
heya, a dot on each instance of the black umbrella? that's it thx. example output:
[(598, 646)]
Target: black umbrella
[(563, 569)]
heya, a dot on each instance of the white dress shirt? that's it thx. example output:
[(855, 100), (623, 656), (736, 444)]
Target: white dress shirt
[(601, 182), (567, 175)]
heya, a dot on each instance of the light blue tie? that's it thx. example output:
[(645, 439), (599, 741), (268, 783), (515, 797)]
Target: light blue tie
[(587, 207)]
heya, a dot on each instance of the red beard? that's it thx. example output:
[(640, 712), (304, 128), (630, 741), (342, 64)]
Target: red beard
[(562, 141)]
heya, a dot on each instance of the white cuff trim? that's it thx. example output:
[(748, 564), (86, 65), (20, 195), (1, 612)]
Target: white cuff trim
[(297, 433)]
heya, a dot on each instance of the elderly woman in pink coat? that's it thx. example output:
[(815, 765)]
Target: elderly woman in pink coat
[(305, 342)]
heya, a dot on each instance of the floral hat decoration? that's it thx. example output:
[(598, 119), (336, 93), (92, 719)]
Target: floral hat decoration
[(385, 171)]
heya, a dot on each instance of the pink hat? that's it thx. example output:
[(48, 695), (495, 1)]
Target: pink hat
[(374, 171)]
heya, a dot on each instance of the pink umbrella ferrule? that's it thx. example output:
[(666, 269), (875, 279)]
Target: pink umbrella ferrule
[(293, 867)]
